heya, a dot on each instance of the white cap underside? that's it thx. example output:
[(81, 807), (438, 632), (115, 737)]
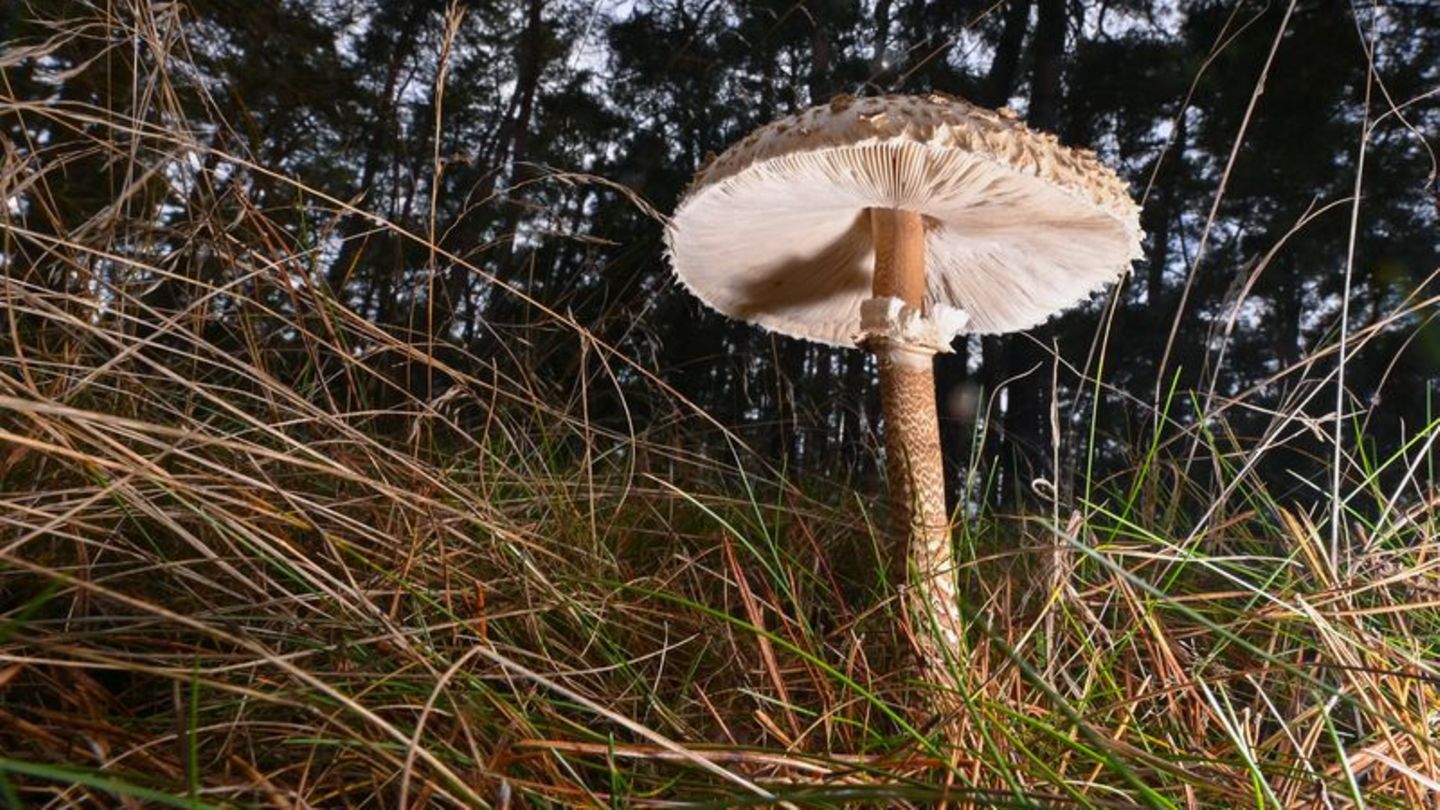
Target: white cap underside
[(786, 242)]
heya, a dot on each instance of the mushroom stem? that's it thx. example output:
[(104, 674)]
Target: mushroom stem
[(912, 445)]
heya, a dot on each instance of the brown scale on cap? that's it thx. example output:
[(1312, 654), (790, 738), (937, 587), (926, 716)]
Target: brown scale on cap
[(945, 119)]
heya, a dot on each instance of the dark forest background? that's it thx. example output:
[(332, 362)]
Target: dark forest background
[(523, 141)]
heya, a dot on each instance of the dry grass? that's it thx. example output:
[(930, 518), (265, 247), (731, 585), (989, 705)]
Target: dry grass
[(242, 563)]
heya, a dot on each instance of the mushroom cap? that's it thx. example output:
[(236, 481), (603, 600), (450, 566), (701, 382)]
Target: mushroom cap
[(776, 231)]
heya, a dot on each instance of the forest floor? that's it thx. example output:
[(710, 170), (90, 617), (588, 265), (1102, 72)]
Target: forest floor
[(223, 589)]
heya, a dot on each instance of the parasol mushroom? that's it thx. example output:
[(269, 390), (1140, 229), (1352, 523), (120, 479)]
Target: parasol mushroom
[(895, 224)]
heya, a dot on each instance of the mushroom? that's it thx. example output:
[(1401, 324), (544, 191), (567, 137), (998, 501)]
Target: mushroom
[(896, 224)]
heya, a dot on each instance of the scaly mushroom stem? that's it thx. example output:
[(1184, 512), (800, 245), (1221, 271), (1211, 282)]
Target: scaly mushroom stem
[(912, 445)]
